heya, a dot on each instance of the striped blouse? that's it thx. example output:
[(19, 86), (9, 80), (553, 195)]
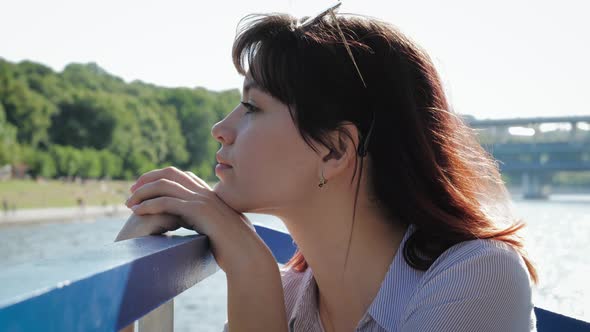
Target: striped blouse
[(478, 285)]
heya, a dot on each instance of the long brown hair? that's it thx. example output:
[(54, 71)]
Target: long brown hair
[(427, 167)]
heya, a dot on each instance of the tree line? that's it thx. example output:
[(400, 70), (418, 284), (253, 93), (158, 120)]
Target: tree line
[(85, 122)]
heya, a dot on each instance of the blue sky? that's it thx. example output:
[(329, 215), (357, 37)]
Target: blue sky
[(497, 59)]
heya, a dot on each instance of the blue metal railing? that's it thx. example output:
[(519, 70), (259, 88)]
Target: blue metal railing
[(108, 288)]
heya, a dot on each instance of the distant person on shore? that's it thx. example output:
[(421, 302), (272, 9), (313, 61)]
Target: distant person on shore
[(80, 201), (344, 132)]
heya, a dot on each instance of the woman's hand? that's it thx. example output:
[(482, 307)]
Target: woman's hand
[(137, 226), (166, 199)]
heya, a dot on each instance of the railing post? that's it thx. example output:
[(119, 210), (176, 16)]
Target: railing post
[(160, 319)]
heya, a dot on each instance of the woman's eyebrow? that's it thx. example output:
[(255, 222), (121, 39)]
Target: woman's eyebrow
[(251, 84)]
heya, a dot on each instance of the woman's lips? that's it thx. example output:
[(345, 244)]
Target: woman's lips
[(221, 167)]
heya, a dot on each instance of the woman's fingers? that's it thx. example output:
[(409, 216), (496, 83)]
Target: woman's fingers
[(137, 226), (162, 223), (159, 205), (160, 187), (159, 223), (173, 206), (175, 192), (170, 173), (198, 179)]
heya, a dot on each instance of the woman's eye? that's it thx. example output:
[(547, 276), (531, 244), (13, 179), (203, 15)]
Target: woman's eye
[(250, 107)]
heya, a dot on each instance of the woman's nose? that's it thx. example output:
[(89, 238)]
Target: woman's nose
[(223, 132)]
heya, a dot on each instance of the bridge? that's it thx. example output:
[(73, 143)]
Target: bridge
[(534, 149), (110, 287)]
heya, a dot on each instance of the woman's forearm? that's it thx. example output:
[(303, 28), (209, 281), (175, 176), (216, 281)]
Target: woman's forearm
[(255, 299)]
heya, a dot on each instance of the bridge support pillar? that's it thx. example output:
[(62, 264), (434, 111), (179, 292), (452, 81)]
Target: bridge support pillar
[(532, 186)]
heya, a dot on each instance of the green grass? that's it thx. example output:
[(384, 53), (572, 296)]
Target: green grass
[(53, 193), (28, 194)]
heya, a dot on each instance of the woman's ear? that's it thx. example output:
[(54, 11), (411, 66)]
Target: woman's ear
[(343, 155)]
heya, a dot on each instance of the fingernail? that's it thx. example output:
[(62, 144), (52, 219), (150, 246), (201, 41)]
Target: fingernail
[(134, 207)]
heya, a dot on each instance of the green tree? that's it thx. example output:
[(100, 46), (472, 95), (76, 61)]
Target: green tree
[(136, 164), (43, 165), (8, 142), (197, 116), (110, 164), (131, 127), (67, 160), (28, 110), (90, 164), (87, 120)]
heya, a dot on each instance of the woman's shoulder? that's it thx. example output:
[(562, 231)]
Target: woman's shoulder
[(483, 257), (480, 280), (475, 261)]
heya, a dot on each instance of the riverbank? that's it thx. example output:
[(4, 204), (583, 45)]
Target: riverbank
[(68, 214), (16, 195), (37, 194), (63, 214)]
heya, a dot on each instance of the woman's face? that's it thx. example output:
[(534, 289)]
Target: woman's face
[(272, 166)]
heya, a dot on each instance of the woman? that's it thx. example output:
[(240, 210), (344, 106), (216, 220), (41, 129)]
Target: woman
[(345, 134)]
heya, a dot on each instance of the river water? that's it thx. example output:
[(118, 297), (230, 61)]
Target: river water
[(558, 236)]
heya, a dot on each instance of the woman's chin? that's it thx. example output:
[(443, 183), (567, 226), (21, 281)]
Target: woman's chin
[(234, 200), (221, 192)]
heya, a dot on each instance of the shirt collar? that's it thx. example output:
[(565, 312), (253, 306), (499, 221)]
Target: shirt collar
[(396, 289)]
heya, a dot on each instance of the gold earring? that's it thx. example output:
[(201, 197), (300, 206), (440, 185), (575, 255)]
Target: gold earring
[(323, 181)]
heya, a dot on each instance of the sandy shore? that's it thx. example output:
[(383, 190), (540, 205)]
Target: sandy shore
[(28, 216)]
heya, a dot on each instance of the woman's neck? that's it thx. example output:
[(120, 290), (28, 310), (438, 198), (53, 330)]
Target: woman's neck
[(347, 286)]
